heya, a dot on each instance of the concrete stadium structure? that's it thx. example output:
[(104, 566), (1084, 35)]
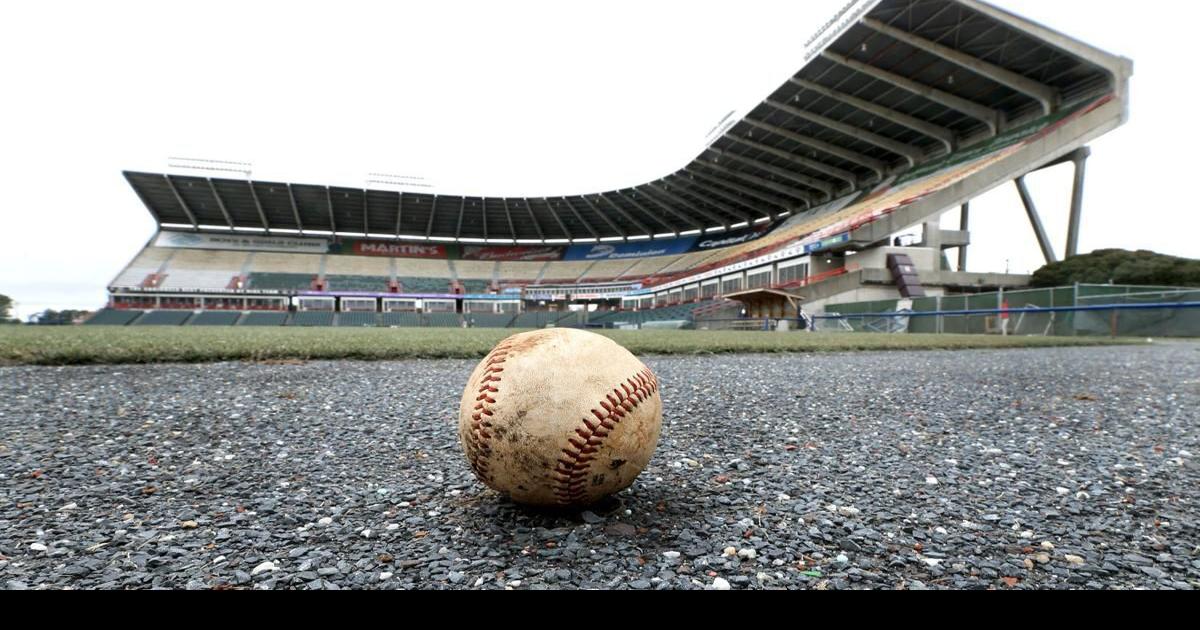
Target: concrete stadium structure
[(903, 110)]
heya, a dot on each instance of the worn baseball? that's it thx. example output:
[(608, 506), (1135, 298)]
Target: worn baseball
[(559, 418)]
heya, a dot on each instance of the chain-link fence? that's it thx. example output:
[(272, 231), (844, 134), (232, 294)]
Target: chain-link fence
[(1081, 310)]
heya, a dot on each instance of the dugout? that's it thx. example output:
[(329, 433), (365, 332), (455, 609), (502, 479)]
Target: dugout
[(769, 303)]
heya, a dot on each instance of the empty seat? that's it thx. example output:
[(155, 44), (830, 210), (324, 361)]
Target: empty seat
[(360, 320), (215, 318), (112, 317), (280, 281), (164, 318), (400, 320), (361, 284), (418, 285), (488, 320), (313, 319), (264, 319), (443, 320)]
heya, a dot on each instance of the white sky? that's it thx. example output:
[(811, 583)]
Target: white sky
[(485, 98)]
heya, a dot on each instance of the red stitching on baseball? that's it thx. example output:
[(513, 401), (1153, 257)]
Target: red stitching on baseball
[(479, 449), (571, 475)]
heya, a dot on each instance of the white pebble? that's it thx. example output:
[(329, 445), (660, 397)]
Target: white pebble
[(366, 533), (385, 576), (671, 555), (848, 511), (38, 547), (931, 481), (392, 527), (266, 566), (325, 522), (747, 554), (720, 584)]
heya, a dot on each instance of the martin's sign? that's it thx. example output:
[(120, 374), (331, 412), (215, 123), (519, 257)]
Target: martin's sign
[(394, 249)]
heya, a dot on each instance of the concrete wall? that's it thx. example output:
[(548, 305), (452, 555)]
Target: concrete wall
[(924, 259)]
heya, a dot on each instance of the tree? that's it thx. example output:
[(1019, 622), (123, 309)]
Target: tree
[(1120, 266), (6, 310), (50, 317)]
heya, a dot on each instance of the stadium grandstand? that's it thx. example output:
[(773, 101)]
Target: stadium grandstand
[(902, 111)]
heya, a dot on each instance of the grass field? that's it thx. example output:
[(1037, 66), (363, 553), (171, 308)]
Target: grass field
[(105, 345)]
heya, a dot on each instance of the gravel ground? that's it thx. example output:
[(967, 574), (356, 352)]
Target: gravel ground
[(1057, 468)]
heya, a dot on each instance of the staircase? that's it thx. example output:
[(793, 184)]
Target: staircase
[(904, 273)]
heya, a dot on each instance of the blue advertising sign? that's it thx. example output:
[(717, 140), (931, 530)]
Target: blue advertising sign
[(619, 251)]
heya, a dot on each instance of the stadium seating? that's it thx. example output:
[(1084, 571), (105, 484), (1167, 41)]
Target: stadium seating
[(649, 266), (215, 318), (400, 320), (476, 287), (565, 272), (423, 268), (263, 319), (361, 284), (111, 317), (164, 318), (606, 270), (202, 269), (357, 320), (443, 320), (280, 281), (148, 261), (358, 266), (521, 272), (438, 286), (474, 269), (270, 262), (488, 320), (313, 319)]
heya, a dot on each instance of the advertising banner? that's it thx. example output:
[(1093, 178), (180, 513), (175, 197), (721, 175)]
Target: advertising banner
[(392, 249), (735, 237), (620, 251), (512, 254), (242, 242)]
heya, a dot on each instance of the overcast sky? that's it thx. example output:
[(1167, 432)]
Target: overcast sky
[(485, 98)]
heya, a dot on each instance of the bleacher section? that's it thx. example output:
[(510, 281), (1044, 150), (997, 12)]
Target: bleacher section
[(164, 318), (215, 318), (358, 266), (400, 320), (110, 317), (565, 272), (474, 269), (488, 320), (649, 266), (523, 272), (423, 268), (270, 262), (424, 285), (476, 287), (148, 261), (280, 281), (606, 270), (360, 284), (263, 319), (346, 320), (203, 269), (443, 320), (313, 319)]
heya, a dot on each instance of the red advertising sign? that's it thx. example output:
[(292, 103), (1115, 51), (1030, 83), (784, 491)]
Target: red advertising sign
[(392, 249), (510, 254)]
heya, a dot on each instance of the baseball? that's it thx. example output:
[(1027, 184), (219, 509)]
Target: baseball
[(559, 418)]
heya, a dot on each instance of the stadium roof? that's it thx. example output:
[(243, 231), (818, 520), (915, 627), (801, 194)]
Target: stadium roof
[(886, 85)]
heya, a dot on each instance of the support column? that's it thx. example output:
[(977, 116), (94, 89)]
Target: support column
[(964, 224), (1038, 229), (1080, 160)]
